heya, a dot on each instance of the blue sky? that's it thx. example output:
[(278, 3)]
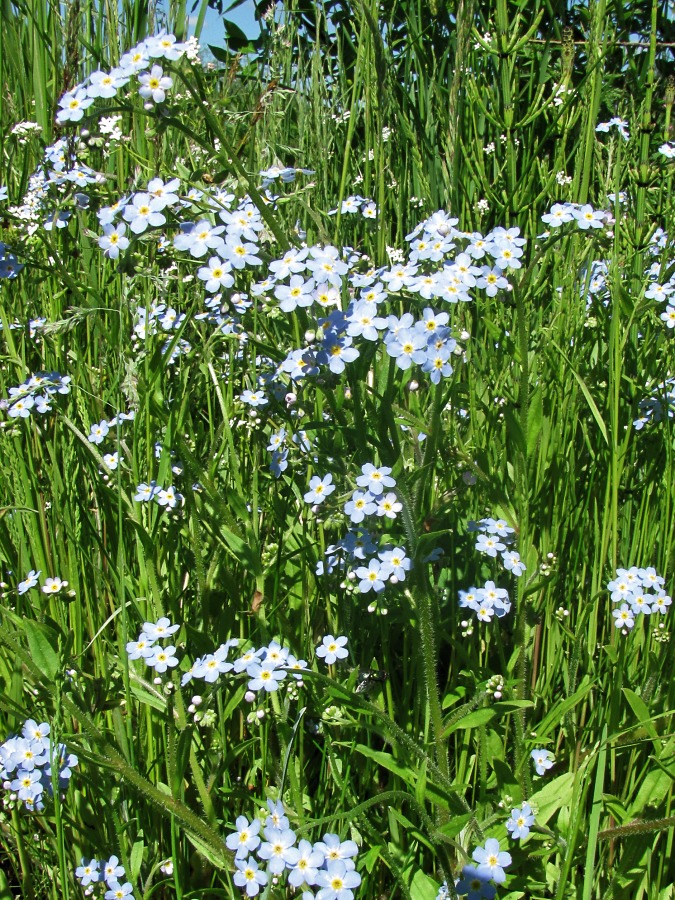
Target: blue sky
[(243, 16)]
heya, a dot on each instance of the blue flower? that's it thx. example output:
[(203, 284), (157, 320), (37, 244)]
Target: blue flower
[(337, 881), (146, 492), (119, 891), (407, 348), (9, 267), (374, 479), (520, 822), (339, 351), (543, 760), (277, 817), (437, 364), (475, 885), (373, 576), (98, 432), (388, 505), (254, 398), (361, 505), (112, 870), (513, 562), (264, 676), (319, 489), (245, 839), (397, 561), (331, 649), (489, 545), (249, 876), (30, 581), (491, 861), (277, 849), (87, 873)]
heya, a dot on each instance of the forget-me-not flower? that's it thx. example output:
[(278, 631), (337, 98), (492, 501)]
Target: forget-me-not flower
[(332, 648), (319, 489)]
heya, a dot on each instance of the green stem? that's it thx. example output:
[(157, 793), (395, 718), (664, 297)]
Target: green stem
[(424, 601)]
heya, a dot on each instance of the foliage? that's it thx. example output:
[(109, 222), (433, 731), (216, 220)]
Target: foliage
[(187, 446)]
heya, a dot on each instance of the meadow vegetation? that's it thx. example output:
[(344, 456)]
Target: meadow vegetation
[(336, 465)]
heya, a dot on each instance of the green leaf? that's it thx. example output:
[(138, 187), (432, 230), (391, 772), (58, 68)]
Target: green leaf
[(641, 711), (456, 824), (534, 421), (5, 893), (423, 887), (43, 642), (472, 720), (515, 429), (653, 789), (433, 793), (556, 793), (136, 859)]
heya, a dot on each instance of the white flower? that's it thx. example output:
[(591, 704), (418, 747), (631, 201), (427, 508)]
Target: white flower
[(53, 585)]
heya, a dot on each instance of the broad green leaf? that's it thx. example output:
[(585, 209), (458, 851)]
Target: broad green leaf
[(653, 790), (472, 720), (423, 887), (43, 642), (641, 711), (556, 793)]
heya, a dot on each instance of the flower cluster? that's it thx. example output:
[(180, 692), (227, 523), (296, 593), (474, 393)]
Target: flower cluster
[(26, 765), (476, 881), (153, 84), (380, 566), (159, 657), (357, 204), (496, 537), (372, 500), (109, 874), (51, 585), (620, 124), (327, 865), (585, 216), (168, 497), (36, 393), (640, 592), (265, 667), (366, 564), (486, 602)]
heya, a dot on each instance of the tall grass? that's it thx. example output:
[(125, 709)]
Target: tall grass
[(486, 110)]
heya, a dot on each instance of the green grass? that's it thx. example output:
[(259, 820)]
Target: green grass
[(535, 425)]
